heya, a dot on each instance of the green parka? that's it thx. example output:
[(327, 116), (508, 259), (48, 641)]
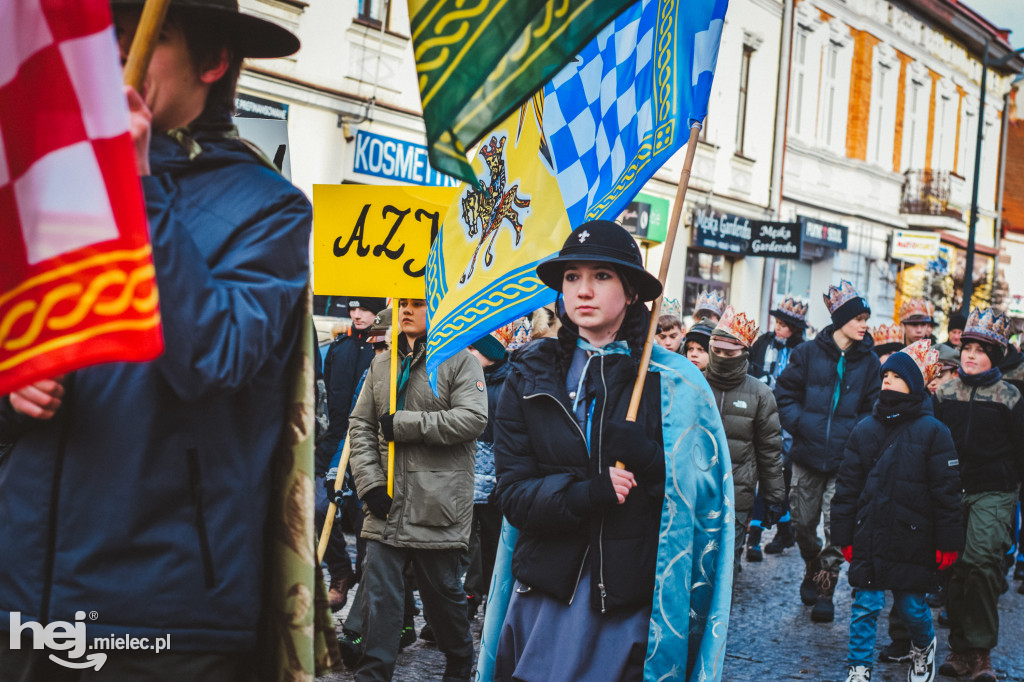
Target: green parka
[(751, 420), (435, 447)]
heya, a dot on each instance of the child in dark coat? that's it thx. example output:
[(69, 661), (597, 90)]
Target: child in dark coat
[(896, 512)]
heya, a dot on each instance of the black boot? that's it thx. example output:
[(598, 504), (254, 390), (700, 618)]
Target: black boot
[(754, 552), (824, 611), (808, 590), (458, 669), (783, 538)]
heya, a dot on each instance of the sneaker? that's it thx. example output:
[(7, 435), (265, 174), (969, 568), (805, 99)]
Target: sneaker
[(783, 539), (408, 637), (956, 665), (338, 592), (922, 663), (859, 673), (351, 646), (754, 553), (897, 651)]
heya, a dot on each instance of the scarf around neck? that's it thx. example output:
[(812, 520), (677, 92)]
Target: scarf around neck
[(984, 379)]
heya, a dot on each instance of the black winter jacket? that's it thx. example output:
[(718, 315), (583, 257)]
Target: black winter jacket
[(758, 368), (542, 463), (987, 423), (805, 390), (347, 359), (897, 499)]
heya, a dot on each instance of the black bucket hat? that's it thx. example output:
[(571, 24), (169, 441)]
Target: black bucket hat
[(250, 35), (601, 241)]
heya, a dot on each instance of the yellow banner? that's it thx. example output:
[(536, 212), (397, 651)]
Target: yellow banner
[(372, 240)]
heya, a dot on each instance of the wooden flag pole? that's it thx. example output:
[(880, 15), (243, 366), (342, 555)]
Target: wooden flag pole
[(332, 508), (670, 239), (144, 42), (393, 393)]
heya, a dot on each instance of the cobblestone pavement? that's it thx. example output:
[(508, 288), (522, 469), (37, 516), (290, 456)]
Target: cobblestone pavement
[(771, 636)]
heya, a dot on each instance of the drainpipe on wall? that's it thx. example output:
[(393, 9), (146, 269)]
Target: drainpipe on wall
[(778, 147)]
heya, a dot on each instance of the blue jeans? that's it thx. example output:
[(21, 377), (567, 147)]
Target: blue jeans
[(867, 604)]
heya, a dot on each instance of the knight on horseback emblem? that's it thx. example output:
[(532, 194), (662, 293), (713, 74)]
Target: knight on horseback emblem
[(484, 211)]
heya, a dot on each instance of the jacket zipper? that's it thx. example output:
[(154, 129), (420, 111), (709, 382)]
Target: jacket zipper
[(58, 470), (970, 414), (831, 411), (579, 575), (195, 485), (600, 532)]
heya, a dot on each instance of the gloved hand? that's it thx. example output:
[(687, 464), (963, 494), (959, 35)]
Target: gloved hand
[(329, 482), (848, 553), (945, 559), (387, 426), (628, 442), (378, 502), (772, 514)]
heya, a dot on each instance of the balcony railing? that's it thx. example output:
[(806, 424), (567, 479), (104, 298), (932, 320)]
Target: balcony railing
[(927, 192)]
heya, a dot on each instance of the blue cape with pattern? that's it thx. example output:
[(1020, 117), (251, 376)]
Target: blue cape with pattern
[(693, 588)]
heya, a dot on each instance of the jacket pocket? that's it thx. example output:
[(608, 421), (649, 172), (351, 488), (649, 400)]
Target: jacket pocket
[(912, 537), (433, 497), (199, 516)]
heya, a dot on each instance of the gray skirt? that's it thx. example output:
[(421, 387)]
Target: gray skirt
[(544, 639)]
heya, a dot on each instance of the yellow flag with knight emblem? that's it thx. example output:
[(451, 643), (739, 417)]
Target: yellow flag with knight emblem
[(501, 231)]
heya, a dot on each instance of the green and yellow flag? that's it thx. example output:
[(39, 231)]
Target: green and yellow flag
[(479, 61)]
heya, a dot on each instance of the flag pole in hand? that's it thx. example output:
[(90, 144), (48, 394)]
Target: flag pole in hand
[(144, 42), (670, 239)]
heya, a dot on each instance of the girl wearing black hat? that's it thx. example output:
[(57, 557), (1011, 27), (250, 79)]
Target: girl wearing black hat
[(590, 534)]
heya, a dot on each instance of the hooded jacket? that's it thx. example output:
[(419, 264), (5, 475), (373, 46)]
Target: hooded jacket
[(435, 445), (145, 498), (751, 421), (347, 359), (897, 498), (807, 388), (484, 478)]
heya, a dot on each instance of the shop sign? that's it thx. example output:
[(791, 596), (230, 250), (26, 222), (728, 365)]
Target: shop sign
[(647, 217), (775, 240), (914, 247), (721, 231), (394, 159), (820, 233), (264, 123)]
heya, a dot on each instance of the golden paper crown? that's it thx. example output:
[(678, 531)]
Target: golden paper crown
[(838, 295), (925, 357), (888, 333), (794, 307), (917, 310), (711, 301), (505, 333), (739, 326), (988, 326), (671, 306)]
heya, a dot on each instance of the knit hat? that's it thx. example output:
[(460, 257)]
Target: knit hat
[(844, 303), (957, 321), (601, 241), (701, 333), (917, 364), (374, 305), (490, 348)]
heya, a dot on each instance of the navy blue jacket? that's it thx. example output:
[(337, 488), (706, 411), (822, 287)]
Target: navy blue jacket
[(145, 499), (805, 390), (897, 499), (347, 360)]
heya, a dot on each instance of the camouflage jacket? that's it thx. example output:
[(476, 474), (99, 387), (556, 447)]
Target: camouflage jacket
[(987, 423)]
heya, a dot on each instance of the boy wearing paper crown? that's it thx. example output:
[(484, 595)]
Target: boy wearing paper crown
[(917, 316), (986, 417), (829, 386), (896, 512), (751, 421)]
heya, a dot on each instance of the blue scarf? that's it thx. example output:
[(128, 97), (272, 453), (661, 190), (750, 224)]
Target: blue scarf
[(984, 379), (613, 348)]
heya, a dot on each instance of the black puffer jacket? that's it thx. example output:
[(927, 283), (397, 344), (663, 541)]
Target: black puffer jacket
[(805, 390), (760, 366), (542, 462), (897, 498), (347, 359)]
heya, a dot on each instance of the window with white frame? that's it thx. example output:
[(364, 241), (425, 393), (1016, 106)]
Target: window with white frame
[(880, 145), (942, 151), (913, 124), (741, 109), (828, 107), (797, 117), (968, 131)]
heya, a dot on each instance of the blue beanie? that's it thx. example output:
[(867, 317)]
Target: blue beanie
[(906, 369)]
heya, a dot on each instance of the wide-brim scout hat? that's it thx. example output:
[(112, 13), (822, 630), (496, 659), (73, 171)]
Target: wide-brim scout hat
[(249, 35), (601, 241)]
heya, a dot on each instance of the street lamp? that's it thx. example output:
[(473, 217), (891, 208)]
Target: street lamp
[(965, 307)]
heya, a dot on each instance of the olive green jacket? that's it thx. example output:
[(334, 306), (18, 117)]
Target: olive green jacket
[(435, 448)]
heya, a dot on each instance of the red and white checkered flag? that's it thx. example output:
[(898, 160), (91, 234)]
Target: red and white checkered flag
[(77, 284)]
